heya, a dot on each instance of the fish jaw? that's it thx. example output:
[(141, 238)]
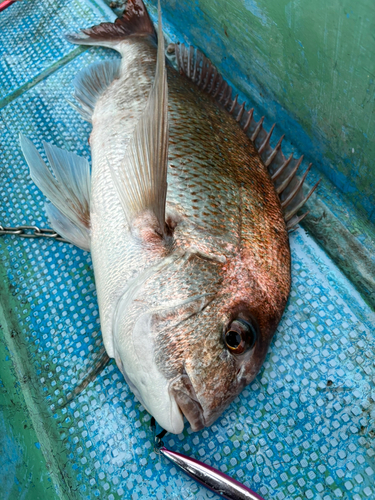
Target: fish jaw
[(134, 356), (191, 395), (215, 389), (182, 390)]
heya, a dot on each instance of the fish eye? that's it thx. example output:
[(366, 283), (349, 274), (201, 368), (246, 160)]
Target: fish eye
[(240, 336)]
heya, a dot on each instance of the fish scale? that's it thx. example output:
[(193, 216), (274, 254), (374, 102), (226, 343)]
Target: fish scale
[(250, 172), (192, 63), (218, 213)]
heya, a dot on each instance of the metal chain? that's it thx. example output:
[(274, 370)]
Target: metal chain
[(31, 232)]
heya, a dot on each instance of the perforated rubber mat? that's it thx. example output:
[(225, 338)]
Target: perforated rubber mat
[(303, 429)]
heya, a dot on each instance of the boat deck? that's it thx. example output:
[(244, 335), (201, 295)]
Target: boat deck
[(303, 429)]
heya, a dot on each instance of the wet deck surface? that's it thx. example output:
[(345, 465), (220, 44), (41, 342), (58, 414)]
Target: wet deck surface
[(303, 429)]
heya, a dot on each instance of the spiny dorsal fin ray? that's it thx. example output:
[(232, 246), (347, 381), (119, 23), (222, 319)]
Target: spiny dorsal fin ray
[(196, 66), (141, 181)]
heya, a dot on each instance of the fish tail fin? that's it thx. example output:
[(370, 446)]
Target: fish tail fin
[(68, 190), (134, 22)]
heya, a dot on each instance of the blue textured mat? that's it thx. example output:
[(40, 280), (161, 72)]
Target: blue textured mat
[(303, 429)]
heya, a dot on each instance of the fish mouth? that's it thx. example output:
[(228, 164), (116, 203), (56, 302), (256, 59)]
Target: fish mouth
[(182, 390)]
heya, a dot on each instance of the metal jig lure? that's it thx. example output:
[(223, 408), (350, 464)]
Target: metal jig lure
[(208, 476)]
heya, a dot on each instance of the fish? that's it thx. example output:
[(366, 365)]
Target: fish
[(185, 210)]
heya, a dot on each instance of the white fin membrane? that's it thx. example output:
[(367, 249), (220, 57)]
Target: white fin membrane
[(141, 181), (68, 191), (77, 235), (90, 84)]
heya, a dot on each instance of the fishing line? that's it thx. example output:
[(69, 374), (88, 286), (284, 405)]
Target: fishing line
[(158, 443)]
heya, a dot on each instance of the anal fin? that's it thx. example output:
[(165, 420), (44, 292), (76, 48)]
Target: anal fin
[(90, 84), (69, 190)]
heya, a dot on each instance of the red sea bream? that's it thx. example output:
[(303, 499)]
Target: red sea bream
[(186, 228)]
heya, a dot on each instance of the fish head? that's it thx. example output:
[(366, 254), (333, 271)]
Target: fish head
[(191, 334)]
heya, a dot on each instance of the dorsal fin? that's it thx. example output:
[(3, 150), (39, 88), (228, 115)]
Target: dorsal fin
[(199, 69), (141, 180)]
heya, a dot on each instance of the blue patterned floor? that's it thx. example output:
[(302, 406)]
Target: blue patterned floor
[(303, 429)]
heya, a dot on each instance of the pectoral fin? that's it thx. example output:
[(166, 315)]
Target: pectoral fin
[(141, 181)]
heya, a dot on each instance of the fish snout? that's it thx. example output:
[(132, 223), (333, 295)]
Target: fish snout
[(182, 390)]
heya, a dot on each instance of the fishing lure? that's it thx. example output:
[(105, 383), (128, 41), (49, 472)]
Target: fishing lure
[(208, 476), (6, 3), (211, 478)]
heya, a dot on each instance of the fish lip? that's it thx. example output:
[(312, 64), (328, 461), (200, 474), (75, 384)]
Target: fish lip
[(182, 390)]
